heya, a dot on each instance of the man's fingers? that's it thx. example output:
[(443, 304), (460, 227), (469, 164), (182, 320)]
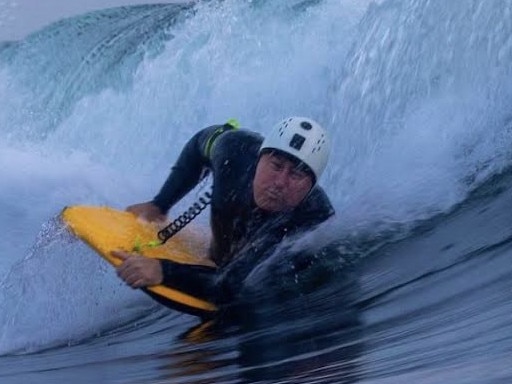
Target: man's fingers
[(123, 269), (125, 273), (131, 271), (138, 271), (134, 281), (131, 277), (127, 267), (138, 283), (121, 255)]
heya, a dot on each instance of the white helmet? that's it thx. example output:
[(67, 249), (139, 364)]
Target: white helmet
[(302, 138)]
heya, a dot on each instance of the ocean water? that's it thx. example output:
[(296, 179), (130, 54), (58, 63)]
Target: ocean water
[(416, 95)]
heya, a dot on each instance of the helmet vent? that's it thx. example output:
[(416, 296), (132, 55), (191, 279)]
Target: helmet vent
[(306, 125)]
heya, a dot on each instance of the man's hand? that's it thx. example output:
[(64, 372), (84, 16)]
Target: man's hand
[(147, 211), (138, 271)]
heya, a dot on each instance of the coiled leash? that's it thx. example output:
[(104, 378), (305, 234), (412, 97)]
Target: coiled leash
[(177, 225), (186, 217)]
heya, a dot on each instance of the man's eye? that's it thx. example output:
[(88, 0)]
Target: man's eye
[(276, 165), (298, 175)]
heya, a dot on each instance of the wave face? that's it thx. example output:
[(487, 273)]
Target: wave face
[(416, 94)]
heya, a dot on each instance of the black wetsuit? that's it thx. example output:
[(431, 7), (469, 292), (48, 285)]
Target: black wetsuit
[(243, 234)]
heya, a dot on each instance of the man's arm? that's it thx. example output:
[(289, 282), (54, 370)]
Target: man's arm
[(186, 173)]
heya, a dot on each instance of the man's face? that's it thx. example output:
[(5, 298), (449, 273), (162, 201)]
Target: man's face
[(278, 184)]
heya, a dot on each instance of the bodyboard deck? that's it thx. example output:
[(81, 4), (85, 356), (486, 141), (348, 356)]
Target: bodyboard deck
[(107, 229)]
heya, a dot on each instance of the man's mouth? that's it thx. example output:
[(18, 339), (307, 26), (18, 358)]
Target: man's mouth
[(273, 195)]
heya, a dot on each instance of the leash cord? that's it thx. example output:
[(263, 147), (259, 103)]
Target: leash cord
[(186, 217)]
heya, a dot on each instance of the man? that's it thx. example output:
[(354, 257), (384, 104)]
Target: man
[(263, 191)]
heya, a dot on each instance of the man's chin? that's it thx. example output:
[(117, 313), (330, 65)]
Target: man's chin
[(270, 205)]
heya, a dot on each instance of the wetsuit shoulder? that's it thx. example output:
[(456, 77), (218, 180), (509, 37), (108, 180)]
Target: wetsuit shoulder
[(236, 142)]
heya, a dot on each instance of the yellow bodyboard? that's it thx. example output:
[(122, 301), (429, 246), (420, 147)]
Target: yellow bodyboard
[(107, 229)]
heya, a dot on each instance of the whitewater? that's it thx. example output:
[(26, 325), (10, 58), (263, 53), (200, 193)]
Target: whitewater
[(416, 95)]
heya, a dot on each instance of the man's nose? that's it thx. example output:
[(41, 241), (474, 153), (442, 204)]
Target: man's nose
[(281, 178)]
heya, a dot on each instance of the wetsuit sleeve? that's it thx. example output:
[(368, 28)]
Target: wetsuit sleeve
[(196, 280), (189, 168)]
